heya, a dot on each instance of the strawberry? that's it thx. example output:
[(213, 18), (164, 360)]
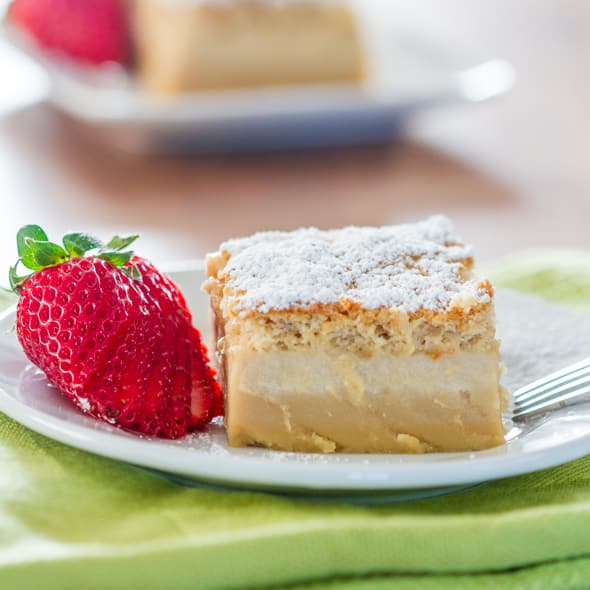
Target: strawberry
[(113, 334), (91, 31), (159, 284)]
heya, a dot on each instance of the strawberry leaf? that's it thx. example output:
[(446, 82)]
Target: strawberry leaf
[(29, 231), (77, 244), (36, 252), (116, 258), (41, 254), (15, 280), (132, 272), (118, 243)]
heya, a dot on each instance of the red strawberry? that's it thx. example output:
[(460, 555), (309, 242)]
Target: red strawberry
[(113, 334), (172, 301), (93, 31)]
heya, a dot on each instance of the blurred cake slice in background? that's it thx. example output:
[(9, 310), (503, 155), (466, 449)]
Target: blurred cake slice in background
[(188, 45)]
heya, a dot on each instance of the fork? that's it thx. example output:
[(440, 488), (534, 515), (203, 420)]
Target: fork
[(567, 387)]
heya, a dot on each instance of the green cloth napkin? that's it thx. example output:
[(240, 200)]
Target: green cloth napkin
[(72, 520)]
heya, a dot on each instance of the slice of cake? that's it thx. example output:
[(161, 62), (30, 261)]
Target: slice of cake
[(361, 339), (189, 45)]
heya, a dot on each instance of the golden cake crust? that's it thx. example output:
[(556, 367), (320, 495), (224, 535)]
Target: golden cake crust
[(363, 319)]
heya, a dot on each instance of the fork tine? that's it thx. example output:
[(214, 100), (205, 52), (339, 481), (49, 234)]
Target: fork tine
[(550, 385), (552, 391), (559, 376), (581, 395)]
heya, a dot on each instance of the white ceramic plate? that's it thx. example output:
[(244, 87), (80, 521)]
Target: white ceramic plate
[(537, 338), (406, 73)]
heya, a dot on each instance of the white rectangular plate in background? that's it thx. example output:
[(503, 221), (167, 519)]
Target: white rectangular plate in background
[(406, 73)]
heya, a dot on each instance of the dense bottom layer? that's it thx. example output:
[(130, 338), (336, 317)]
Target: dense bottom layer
[(321, 402)]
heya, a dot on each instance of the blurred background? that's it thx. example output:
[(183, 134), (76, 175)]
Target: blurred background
[(512, 170)]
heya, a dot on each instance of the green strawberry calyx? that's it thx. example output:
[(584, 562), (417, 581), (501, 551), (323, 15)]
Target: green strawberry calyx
[(36, 252)]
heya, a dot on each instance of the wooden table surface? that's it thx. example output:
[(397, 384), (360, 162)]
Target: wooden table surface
[(514, 173)]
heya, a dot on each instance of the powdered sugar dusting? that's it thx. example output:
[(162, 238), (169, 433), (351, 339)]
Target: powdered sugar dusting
[(408, 267)]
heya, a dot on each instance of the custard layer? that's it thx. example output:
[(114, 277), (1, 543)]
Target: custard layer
[(323, 401)]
